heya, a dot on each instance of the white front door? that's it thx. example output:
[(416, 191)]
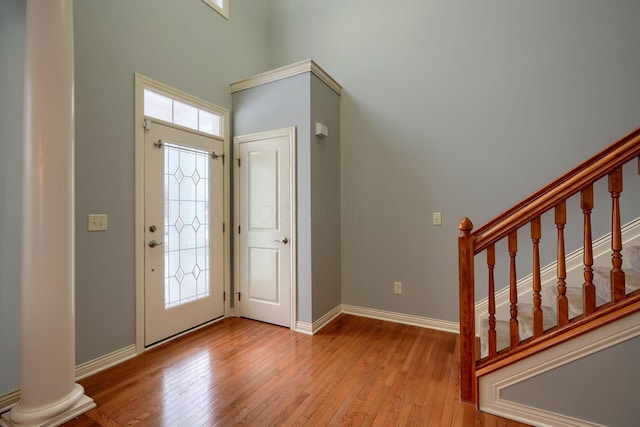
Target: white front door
[(265, 194), (184, 252)]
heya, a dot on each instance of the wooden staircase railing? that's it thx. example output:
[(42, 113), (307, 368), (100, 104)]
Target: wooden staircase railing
[(528, 212)]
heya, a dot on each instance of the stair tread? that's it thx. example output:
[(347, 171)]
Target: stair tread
[(525, 327), (574, 296), (601, 281), (601, 275)]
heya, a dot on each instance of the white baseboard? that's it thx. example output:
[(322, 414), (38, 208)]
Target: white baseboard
[(389, 316), (83, 370), (8, 400), (491, 385), (312, 329), (324, 320), (407, 319), (101, 363), (304, 328)]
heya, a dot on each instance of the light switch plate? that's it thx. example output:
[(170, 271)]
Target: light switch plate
[(97, 222), (437, 218)]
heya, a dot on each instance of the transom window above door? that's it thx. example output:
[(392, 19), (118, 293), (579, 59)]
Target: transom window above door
[(180, 113)]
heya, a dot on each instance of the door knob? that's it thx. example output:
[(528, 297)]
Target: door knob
[(284, 241), (153, 243)]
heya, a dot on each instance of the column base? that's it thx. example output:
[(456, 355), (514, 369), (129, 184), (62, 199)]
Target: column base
[(72, 405)]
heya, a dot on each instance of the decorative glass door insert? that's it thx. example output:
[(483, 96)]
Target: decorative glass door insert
[(186, 227)]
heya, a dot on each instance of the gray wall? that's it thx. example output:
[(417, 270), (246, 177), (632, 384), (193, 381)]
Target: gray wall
[(601, 388), (461, 107), (12, 14), (325, 200), (276, 105), (186, 45)]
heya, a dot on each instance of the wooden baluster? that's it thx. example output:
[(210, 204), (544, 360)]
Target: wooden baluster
[(491, 263), (618, 290), (563, 303), (514, 333), (468, 384), (536, 234), (588, 288)]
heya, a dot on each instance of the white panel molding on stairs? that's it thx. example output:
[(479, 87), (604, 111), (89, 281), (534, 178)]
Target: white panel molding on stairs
[(574, 266), (491, 385), (83, 370)]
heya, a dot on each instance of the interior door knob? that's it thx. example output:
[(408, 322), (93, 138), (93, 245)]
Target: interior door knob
[(285, 241)]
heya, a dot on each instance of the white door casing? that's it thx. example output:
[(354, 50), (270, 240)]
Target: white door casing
[(265, 215), (141, 84), (184, 247)]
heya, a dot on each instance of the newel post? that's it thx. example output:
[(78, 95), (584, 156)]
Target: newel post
[(468, 386)]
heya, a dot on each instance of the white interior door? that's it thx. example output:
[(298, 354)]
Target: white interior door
[(265, 194), (184, 248)]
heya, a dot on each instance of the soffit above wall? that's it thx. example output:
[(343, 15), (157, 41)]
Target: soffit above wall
[(287, 71)]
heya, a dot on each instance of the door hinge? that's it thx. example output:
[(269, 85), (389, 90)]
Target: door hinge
[(146, 124), (238, 229), (238, 162), (239, 296), (224, 296), (223, 227)]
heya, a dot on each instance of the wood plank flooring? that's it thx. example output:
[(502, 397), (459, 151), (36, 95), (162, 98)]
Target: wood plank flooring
[(355, 372)]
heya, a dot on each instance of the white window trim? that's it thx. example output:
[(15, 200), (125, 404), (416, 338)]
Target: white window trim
[(142, 83), (224, 10)]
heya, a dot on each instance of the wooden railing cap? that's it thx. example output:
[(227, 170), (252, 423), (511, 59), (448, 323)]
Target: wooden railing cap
[(465, 226)]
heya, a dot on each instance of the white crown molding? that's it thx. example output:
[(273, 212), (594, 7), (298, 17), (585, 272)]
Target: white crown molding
[(574, 268), (308, 65), (491, 385), (407, 319)]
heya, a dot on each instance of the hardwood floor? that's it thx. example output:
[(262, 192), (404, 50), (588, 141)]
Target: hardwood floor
[(356, 371)]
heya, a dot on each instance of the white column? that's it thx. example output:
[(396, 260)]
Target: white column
[(49, 395)]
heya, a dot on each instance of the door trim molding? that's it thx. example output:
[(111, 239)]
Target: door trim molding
[(289, 132), (140, 83)]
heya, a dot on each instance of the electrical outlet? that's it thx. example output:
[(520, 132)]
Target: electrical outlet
[(397, 288)]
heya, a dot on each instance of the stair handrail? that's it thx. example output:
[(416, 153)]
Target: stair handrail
[(472, 242), (586, 173)]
